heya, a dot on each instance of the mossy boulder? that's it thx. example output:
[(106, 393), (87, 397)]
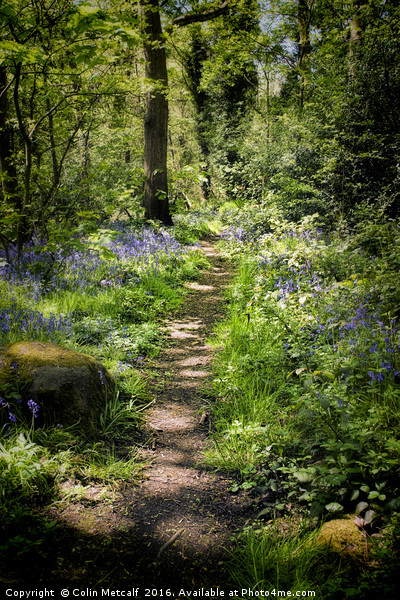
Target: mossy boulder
[(342, 536), (69, 387)]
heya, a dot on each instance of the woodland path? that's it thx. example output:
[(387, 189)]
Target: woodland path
[(171, 531), (180, 497)]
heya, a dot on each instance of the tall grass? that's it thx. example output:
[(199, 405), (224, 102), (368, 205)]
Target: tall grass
[(272, 559)]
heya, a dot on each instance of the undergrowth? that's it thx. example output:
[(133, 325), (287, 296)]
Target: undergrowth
[(307, 378), (107, 300)]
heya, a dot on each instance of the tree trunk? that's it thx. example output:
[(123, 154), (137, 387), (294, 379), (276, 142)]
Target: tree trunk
[(357, 27), (156, 118), (303, 24), (7, 166), (194, 66), (15, 226)]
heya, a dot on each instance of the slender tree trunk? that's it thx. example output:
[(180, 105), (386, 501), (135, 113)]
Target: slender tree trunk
[(18, 228), (303, 23), (156, 118), (194, 68), (357, 27), (7, 166), (53, 150)]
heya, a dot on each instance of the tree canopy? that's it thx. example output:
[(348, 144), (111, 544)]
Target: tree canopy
[(107, 107)]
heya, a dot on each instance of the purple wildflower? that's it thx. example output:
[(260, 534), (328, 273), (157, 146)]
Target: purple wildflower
[(34, 408)]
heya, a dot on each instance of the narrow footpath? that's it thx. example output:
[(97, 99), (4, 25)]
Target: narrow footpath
[(172, 530), (185, 515)]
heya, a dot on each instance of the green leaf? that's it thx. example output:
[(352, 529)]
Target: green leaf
[(304, 476), (298, 371), (264, 511), (334, 507), (369, 515), (307, 496), (373, 495), (354, 495), (361, 506)]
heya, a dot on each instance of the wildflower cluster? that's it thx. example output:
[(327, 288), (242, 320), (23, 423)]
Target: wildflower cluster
[(318, 352), (13, 410), (82, 283), (41, 272), (29, 323), (338, 320)]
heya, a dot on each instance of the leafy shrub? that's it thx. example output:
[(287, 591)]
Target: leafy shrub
[(27, 469), (313, 348)]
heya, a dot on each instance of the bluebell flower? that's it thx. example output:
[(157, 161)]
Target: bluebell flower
[(34, 408)]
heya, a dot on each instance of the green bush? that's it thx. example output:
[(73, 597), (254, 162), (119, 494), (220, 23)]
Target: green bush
[(313, 360)]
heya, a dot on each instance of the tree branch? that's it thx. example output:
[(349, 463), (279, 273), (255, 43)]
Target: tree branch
[(201, 17)]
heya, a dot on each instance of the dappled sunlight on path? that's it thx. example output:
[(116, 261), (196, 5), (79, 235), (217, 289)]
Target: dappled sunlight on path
[(180, 495), (172, 529)]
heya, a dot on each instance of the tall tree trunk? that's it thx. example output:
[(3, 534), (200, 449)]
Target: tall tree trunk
[(357, 27), (194, 67), (8, 170), (16, 226), (156, 118), (303, 23)]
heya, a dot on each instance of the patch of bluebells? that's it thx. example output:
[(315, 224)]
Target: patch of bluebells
[(236, 234), (26, 321), (9, 412), (122, 368), (296, 280), (344, 318), (146, 246), (374, 343), (138, 253), (42, 272)]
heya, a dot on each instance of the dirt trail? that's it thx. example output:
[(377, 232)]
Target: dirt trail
[(171, 530), (181, 504)]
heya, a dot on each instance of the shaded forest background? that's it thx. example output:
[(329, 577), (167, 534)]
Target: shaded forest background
[(290, 104)]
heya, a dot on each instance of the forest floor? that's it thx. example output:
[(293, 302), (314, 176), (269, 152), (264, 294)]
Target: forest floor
[(171, 531)]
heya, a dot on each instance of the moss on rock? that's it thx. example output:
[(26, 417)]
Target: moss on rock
[(342, 536), (68, 386)]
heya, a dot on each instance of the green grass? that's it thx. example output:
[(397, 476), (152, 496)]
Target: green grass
[(307, 393), (274, 558)]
